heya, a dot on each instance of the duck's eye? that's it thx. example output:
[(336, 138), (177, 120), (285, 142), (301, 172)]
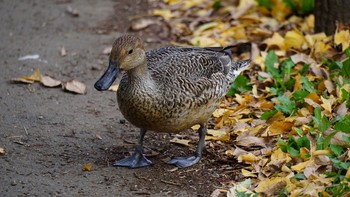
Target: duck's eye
[(130, 51)]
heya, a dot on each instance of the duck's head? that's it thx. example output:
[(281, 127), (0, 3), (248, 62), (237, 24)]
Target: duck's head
[(127, 53)]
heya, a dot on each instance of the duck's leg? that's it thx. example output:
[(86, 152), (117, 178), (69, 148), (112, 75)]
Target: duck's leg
[(183, 162), (137, 159)]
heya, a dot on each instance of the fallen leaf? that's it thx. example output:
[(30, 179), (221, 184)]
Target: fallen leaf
[(72, 12), (176, 140), (2, 151), (107, 50), (142, 23), (273, 184), (34, 77), (241, 187), (343, 38), (113, 87), (87, 167), (279, 127), (247, 173), (301, 166), (74, 86), (63, 52), (21, 80), (247, 158), (220, 135), (49, 81), (98, 137), (248, 141), (342, 109), (165, 13)]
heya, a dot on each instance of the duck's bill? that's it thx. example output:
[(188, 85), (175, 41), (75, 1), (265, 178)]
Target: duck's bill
[(108, 77)]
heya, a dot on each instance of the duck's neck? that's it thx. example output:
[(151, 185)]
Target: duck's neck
[(140, 75)]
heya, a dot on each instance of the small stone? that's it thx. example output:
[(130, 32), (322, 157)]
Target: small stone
[(13, 183), (122, 121)]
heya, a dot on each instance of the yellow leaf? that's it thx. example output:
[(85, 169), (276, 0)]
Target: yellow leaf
[(180, 141), (294, 39), (195, 127), (280, 127), (113, 87), (301, 166), (275, 40), (220, 135), (342, 37), (279, 154), (321, 47), (204, 41), (34, 77), (280, 11), (247, 173), (165, 13), (219, 112), (347, 173), (328, 103), (205, 27), (87, 167), (247, 158), (268, 184)]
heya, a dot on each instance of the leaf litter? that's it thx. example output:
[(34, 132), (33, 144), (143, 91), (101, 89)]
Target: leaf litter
[(286, 119), (73, 86)]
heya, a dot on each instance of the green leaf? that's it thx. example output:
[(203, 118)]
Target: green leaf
[(303, 142), (305, 69), (307, 6), (347, 52), (265, 3), (299, 131), (320, 120), (327, 140), (270, 61), (268, 114), (346, 139), (286, 105), (307, 85), (299, 176), (286, 68), (240, 84), (336, 149), (292, 151), (299, 95), (345, 70), (216, 5), (343, 125)]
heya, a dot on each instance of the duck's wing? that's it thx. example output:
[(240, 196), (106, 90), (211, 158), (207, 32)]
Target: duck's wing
[(199, 73)]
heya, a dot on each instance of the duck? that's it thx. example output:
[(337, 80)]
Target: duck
[(168, 89)]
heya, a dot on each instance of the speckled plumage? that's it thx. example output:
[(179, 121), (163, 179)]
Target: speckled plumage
[(168, 89), (183, 88)]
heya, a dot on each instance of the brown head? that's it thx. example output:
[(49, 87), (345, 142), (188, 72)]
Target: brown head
[(127, 53)]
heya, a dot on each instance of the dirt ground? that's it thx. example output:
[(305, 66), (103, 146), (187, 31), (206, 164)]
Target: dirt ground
[(49, 134)]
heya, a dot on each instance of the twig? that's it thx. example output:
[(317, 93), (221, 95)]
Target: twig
[(140, 177), (170, 183), (25, 129)]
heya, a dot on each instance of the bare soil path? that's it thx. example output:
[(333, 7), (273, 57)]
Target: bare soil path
[(49, 134)]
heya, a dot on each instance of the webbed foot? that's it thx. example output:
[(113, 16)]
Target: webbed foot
[(136, 160), (183, 162)]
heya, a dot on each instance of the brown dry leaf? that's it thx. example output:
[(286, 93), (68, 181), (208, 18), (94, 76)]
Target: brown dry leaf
[(176, 140), (329, 86), (248, 141), (342, 109), (63, 52), (21, 80), (302, 57), (74, 86), (49, 81), (87, 167), (2, 151)]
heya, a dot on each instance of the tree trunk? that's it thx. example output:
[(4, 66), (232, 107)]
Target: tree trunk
[(329, 12)]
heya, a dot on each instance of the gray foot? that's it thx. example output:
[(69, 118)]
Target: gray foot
[(136, 160), (183, 162)]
